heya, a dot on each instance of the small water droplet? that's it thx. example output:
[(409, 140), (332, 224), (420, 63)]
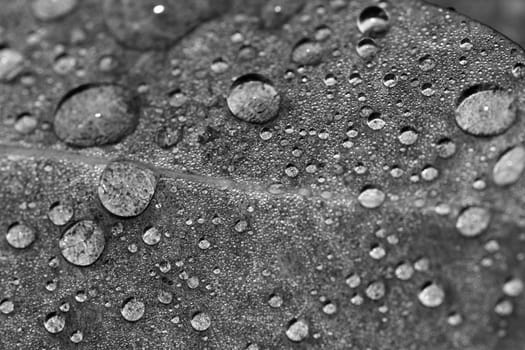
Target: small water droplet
[(48, 10), (373, 20), (371, 198), (298, 330), (201, 321), (54, 323), (60, 213), (431, 295), (307, 52)]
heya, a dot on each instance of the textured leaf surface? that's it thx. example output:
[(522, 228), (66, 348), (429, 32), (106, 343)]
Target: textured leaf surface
[(363, 169)]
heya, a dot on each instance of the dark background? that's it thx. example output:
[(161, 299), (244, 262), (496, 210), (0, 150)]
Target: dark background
[(506, 16)]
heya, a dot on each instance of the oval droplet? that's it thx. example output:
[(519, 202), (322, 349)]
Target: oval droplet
[(307, 52), (371, 198), (157, 24), (201, 321), (132, 309), (472, 221), (374, 20), (95, 115), (298, 330), (509, 167), (431, 295), (48, 10), (486, 111), (54, 323)]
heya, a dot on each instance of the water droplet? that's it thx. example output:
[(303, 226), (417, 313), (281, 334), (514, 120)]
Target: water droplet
[(201, 321), (509, 167), (48, 10), (297, 330), (375, 290), (20, 236), (408, 136), (254, 99), (307, 52), (367, 48), (404, 271), (54, 323), (486, 111), (472, 221), (390, 80), (83, 243), (427, 63), (60, 214), (353, 281), (371, 198), (518, 71), (275, 301), (26, 123), (151, 236), (373, 20), (513, 287), (95, 115), (11, 63), (446, 148), (7, 306), (504, 308), (431, 295), (126, 189), (157, 24), (132, 309), (76, 337)]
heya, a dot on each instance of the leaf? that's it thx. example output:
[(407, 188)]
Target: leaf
[(361, 213)]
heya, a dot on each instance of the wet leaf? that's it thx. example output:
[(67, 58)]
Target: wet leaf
[(227, 191)]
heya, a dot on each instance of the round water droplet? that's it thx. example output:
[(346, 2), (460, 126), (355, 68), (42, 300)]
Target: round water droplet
[(367, 48), (431, 295), (275, 301), (95, 115), (60, 214), (157, 24), (446, 148), (76, 337), (509, 167), (83, 243), (7, 306), (47, 10), (20, 236), (427, 63), (11, 63), (371, 198), (375, 290), (132, 309), (54, 323), (486, 111), (473, 221), (151, 236), (26, 123), (126, 189), (201, 321), (408, 136), (307, 52), (374, 20), (404, 271), (297, 330), (254, 99)]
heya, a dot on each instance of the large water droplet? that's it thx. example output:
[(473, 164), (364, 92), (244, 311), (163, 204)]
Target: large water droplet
[(83, 243), (486, 111), (95, 115), (509, 167), (126, 189), (157, 24), (254, 99), (47, 10), (374, 20), (20, 236), (472, 221)]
